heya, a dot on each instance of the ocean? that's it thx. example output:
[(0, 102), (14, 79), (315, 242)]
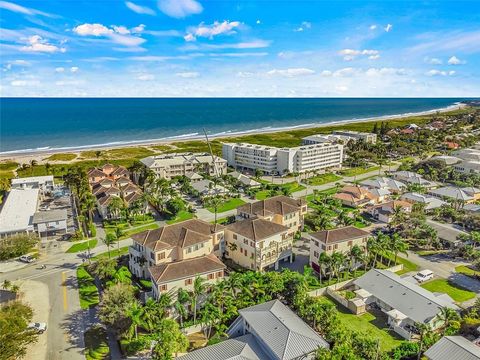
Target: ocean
[(36, 124)]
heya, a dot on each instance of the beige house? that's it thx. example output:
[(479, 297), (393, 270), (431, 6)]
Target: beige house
[(170, 277), (282, 210), (386, 212), (356, 196), (335, 240), (257, 244), (177, 242), (170, 165)]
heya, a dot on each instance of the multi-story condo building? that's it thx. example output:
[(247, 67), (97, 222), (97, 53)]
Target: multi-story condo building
[(340, 137), (281, 210), (272, 160), (257, 244), (366, 137), (177, 249), (170, 165)]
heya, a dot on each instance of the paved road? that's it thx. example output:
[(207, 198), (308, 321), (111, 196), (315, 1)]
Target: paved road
[(446, 232)]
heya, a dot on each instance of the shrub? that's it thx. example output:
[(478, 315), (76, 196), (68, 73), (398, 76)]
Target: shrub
[(17, 245)]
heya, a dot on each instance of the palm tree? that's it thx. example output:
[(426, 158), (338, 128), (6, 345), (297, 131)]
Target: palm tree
[(446, 316), (182, 299), (198, 289), (108, 240), (323, 261), (215, 202), (116, 206), (7, 284), (33, 163), (355, 255), (135, 313), (338, 261), (423, 331), (397, 245), (88, 204)]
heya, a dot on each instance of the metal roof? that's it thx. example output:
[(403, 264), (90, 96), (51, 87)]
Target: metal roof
[(241, 348), (34, 179), (18, 209), (50, 215), (281, 330), (453, 347), (418, 304)]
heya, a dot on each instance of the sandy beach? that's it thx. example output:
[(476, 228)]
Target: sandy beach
[(39, 155)]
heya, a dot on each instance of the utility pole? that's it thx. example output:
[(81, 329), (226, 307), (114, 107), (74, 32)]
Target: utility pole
[(211, 153)]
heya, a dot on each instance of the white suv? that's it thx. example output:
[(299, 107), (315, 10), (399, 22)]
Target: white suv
[(38, 327), (424, 275), (27, 258)]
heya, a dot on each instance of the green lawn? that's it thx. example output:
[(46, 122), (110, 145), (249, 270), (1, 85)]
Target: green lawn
[(127, 232), (292, 187), (408, 266), (323, 179), (61, 157), (230, 204), (462, 269), (88, 292), (456, 292), (83, 246), (181, 216), (96, 344), (358, 171), (369, 324), (113, 253)]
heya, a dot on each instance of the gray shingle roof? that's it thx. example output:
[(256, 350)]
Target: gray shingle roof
[(281, 330), (453, 347), (241, 348), (418, 304), (50, 215)]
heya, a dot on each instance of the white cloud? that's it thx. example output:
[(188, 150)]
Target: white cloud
[(455, 61), (241, 54), (126, 40), (180, 8), (188, 75), (254, 44), (245, 74), (209, 31), (140, 9), (138, 29), (59, 69), (326, 73), (258, 22), (92, 29), (38, 44), (432, 61), (146, 77), (385, 71), (122, 30), (74, 69), (373, 27), (435, 72), (22, 9), (24, 82), (351, 54), (374, 57), (345, 72), (454, 41), (304, 26), (388, 27), (341, 88), (292, 72)]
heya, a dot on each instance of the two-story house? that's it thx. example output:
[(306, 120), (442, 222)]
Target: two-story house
[(335, 240), (356, 196), (257, 244), (282, 210)]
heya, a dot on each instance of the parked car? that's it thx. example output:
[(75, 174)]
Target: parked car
[(38, 327), (424, 275), (26, 258)]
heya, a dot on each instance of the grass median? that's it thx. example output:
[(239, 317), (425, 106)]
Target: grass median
[(87, 289)]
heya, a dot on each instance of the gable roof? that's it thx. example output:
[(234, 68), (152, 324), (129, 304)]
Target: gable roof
[(453, 347), (244, 347), (281, 330), (178, 270), (280, 205), (418, 304), (338, 235), (256, 229), (182, 234), (95, 173), (453, 192)]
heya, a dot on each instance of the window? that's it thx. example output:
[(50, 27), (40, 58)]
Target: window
[(245, 241), (235, 236), (195, 248), (246, 253), (329, 247), (210, 276), (163, 287), (219, 274), (315, 254), (161, 256), (188, 282), (152, 255), (316, 243), (335, 247), (189, 250)]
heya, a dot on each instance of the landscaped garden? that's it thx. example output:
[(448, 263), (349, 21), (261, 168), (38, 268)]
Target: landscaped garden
[(228, 204), (456, 292), (181, 216), (323, 179), (358, 171), (96, 344), (87, 289), (82, 246)]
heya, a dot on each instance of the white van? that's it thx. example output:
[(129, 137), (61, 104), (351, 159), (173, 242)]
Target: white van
[(424, 275)]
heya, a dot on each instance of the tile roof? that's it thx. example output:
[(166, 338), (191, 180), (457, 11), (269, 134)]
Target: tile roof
[(256, 229), (95, 172), (418, 304), (185, 233), (453, 347), (286, 335), (339, 235), (185, 268), (281, 205)]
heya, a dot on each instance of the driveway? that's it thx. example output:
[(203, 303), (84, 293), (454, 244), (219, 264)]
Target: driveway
[(301, 249)]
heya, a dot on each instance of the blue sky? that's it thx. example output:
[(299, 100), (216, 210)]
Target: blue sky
[(236, 48)]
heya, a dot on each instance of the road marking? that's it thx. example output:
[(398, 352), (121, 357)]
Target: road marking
[(65, 305)]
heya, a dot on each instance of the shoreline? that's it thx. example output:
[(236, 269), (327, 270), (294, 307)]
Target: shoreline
[(24, 156)]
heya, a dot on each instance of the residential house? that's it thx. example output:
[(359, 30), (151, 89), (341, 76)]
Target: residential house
[(446, 159), (280, 209), (386, 212), (465, 195), (172, 276), (208, 188), (470, 160), (335, 240), (194, 177), (258, 244), (413, 178), (170, 165), (44, 183), (51, 222), (18, 208), (364, 136), (404, 302), (392, 185), (268, 331), (453, 348), (245, 180), (429, 202), (174, 243), (356, 196)]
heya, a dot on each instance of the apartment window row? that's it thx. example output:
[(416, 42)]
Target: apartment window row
[(195, 247)]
